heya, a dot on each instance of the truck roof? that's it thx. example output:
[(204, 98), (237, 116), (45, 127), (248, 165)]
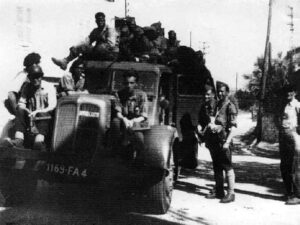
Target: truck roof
[(127, 66)]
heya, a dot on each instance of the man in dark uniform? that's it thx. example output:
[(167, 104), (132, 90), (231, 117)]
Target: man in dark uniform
[(207, 110), (218, 140), (13, 95), (102, 37), (289, 144), (129, 110), (206, 115)]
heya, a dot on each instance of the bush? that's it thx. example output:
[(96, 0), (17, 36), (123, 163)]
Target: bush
[(246, 99)]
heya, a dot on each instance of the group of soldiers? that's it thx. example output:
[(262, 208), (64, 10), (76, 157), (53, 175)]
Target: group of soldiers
[(126, 42), (217, 116), (217, 120), (37, 98)]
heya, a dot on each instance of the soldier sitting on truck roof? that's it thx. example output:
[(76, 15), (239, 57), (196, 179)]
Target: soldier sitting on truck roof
[(172, 46), (103, 39), (159, 44), (74, 81), (139, 45), (129, 110), (37, 99)]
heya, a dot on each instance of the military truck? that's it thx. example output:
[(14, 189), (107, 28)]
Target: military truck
[(80, 150)]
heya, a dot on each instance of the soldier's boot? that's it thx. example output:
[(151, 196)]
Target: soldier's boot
[(230, 197), (63, 63), (17, 142)]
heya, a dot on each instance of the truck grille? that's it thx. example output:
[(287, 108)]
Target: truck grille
[(87, 130), (65, 128)]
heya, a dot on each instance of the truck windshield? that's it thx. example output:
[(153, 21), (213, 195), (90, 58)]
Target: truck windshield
[(97, 82), (147, 81)]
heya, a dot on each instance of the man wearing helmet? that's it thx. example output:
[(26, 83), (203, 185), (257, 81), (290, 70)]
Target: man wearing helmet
[(37, 98), (13, 95)]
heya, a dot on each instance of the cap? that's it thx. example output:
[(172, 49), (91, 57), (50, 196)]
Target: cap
[(100, 15), (31, 58), (220, 84)]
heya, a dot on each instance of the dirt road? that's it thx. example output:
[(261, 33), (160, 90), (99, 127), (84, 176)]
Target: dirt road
[(259, 197)]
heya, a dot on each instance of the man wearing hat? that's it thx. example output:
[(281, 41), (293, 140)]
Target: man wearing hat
[(218, 140), (100, 40), (37, 98), (289, 144)]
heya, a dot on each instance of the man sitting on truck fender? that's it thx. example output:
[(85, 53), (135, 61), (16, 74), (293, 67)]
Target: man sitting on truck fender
[(129, 110), (37, 98), (13, 95)]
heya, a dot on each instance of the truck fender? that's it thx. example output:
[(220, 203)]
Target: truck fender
[(8, 130), (158, 143)]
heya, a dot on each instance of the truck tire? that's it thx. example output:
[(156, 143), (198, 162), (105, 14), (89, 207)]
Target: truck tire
[(159, 157), (17, 186), (160, 194)]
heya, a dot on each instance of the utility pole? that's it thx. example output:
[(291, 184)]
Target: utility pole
[(126, 8), (264, 75), (236, 82), (267, 49), (291, 25), (190, 39)]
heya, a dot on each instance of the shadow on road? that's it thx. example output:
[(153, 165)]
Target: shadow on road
[(259, 174), (191, 188), (75, 206), (267, 153)]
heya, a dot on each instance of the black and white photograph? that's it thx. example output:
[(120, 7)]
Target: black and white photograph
[(150, 112)]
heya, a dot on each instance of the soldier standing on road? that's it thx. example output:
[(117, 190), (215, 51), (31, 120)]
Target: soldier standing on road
[(289, 144), (206, 116), (218, 140)]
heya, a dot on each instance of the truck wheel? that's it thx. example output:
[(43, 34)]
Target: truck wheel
[(17, 186), (160, 194)]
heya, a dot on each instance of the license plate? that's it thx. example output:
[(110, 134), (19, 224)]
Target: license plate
[(66, 170)]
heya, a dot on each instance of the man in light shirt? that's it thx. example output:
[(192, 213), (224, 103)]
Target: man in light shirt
[(37, 99), (98, 44), (289, 144)]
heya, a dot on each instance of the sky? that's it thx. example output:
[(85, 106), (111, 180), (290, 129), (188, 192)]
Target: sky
[(234, 30)]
